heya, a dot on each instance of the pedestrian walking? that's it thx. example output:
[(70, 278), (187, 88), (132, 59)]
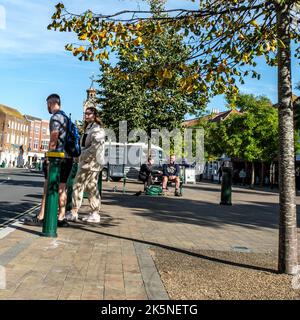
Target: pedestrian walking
[(89, 167), (220, 172)]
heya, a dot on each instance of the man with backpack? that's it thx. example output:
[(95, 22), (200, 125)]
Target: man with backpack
[(60, 126)]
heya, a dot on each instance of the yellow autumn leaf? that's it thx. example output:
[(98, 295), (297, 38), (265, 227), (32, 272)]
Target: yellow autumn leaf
[(83, 37), (167, 74), (80, 49), (158, 29), (245, 58), (183, 67), (254, 23), (103, 34), (137, 41), (190, 89), (104, 55), (182, 83)]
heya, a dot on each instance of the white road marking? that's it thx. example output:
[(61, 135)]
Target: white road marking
[(19, 215)]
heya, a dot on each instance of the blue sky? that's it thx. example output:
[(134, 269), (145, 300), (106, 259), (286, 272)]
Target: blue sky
[(33, 62)]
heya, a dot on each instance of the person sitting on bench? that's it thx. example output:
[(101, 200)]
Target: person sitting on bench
[(145, 173), (171, 172)]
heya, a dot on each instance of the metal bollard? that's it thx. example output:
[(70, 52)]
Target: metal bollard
[(70, 184), (226, 186), (51, 206)]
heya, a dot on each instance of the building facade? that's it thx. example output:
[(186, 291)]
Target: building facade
[(39, 137), (91, 100), (14, 136)]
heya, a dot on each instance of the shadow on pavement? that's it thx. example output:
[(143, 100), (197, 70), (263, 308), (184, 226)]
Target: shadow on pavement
[(252, 215), (36, 233), (235, 188), (37, 196), (25, 183)]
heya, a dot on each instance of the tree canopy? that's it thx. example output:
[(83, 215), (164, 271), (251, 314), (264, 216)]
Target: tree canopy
[(131, 91), (225, 37), (251, 134)]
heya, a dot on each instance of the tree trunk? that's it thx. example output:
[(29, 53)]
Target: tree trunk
[(262, 174), (288, 262), (252, 175), (246, 169), (149, 147), (272, 175)]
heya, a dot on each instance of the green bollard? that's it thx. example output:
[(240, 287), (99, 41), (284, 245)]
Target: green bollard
[(226, 186), (70, 183), (51, 206)]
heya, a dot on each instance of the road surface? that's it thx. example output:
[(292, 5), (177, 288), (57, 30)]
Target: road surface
[(20, 193)]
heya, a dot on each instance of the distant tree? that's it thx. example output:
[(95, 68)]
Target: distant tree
[(251, 134)]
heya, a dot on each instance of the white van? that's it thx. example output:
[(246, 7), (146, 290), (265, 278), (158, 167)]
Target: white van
[(129, 157)]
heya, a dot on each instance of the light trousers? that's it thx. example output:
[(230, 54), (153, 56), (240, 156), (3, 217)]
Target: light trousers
[(86, 180)]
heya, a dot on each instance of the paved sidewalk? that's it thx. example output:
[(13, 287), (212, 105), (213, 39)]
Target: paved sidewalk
[(112, 260)]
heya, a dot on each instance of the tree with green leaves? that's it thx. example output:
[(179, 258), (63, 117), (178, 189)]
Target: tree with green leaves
[(251, 134), (227, 36), (130, 90)]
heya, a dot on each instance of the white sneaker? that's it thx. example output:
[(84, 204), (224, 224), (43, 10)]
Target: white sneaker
[(71, 217), (93, 217), (86, 217)]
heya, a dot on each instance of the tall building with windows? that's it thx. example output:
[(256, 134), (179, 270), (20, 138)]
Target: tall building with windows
[(14, 135), (39, 137)]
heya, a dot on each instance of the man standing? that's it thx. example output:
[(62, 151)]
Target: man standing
[(58, 134), (171, 173), (220, 172)]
